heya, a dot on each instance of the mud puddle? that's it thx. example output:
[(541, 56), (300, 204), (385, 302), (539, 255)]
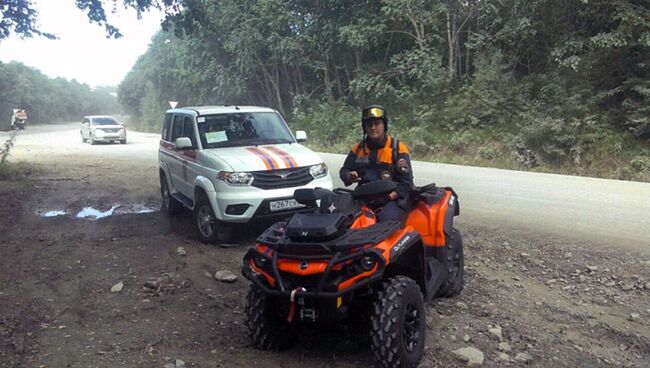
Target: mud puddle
[(93, 213)]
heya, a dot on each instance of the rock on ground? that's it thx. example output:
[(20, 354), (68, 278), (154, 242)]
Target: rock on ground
[(225, 276), (472, 356), (117, 287)]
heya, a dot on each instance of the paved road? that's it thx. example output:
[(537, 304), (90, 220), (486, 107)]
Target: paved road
[(605, 212)]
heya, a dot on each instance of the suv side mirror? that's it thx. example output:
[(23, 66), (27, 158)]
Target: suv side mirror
[(183, 143), (301, 136)]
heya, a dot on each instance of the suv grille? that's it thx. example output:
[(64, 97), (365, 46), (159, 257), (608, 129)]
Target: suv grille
[(285, 178)]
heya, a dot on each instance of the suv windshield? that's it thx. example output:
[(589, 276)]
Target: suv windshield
[(242, 129), (104, 121)]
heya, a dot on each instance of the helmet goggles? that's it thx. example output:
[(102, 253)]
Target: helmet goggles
[(373, 113)]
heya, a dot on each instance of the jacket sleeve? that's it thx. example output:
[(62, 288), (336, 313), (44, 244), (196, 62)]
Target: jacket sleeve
[(348, 165), (404, 181)]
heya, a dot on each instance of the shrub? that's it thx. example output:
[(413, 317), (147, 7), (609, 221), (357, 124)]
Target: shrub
[(336, 124), (560, 140)]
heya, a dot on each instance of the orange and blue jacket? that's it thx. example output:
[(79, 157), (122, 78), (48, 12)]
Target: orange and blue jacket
[(374, 163)]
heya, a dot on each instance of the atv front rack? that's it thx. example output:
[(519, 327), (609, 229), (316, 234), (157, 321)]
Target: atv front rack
[(342, 275)]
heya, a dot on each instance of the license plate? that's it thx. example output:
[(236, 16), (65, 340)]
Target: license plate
[(284, 205)]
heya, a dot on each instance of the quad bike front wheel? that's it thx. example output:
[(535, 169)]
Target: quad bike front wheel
[(267, 328), (456, 279), (398, 324)]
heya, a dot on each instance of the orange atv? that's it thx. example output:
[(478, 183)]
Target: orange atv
[(339, 264)]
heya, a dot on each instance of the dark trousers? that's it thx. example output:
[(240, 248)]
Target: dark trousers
[(391, 212)]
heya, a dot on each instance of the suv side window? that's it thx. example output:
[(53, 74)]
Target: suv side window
[(177, 130), (188, 130), (166, 127)]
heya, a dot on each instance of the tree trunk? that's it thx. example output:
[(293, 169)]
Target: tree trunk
[(450, 44), (467, 53), (326, 79), (337, 76), (278, 91)]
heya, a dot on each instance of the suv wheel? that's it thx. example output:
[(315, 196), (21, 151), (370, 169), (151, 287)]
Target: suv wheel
[(210, 229), (169, 204), (91, 139), (83, 140)]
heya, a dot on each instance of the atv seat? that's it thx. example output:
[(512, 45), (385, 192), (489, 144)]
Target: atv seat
[(330, 202)]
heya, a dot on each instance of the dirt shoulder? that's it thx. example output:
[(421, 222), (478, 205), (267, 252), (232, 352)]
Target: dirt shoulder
[(540, 301)]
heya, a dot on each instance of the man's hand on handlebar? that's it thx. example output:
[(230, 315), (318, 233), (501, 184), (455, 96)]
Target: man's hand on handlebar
[(393, 195), (354, 176)]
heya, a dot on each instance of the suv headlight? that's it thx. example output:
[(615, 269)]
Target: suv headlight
[(318, 171), (236, 178)]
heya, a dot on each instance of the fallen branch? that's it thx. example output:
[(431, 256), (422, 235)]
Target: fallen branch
[(60, 179)]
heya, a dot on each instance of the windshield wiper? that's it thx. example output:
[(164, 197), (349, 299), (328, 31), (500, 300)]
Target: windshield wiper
[(258, 141), (249, 142)]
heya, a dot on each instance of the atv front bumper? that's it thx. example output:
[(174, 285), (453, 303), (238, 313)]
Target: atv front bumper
[(342, 275)]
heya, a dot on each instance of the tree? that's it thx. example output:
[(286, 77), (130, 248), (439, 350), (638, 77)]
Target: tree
[(20, 16)]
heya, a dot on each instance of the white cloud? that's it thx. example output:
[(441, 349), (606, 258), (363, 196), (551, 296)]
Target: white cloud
[(82, 51)]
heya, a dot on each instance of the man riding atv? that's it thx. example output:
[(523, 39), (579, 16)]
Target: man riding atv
[(380, 157), (18, 119), (360, 258)]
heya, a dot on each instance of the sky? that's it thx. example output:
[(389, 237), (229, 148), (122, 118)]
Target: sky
[(82, 51)]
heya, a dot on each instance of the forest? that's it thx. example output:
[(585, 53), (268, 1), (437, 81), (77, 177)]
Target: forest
[(49, 100), (546, 85)]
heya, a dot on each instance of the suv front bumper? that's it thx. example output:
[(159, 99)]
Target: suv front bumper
[(257, 201)]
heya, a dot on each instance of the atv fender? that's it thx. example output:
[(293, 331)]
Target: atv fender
[(407, 259)]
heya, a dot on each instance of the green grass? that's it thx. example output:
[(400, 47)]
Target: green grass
[(16, 171), (615, 155)]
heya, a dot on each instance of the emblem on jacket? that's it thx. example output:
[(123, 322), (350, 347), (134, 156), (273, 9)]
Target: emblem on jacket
[(386, 175), (402, 166), (304, 265)]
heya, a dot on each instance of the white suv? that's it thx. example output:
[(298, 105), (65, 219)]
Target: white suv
[(101, 128), (232, 164)]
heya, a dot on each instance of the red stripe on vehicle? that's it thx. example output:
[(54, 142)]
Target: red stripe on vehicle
[(268, 161), (286, 157)]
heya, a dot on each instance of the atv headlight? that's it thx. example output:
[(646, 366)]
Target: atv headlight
[(261, 261), (367, 263), (318, 171), (236, 178)]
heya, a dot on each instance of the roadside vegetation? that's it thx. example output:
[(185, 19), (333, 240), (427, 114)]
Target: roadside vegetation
[(11, 171), (49, 100), (547, 85)]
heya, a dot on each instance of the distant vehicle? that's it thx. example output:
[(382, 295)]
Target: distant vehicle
[(234, 164), (19, 119), (102, 128)]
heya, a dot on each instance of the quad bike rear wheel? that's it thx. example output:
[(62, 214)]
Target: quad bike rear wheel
[(267, 329), (456, 279), (398, 324)]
